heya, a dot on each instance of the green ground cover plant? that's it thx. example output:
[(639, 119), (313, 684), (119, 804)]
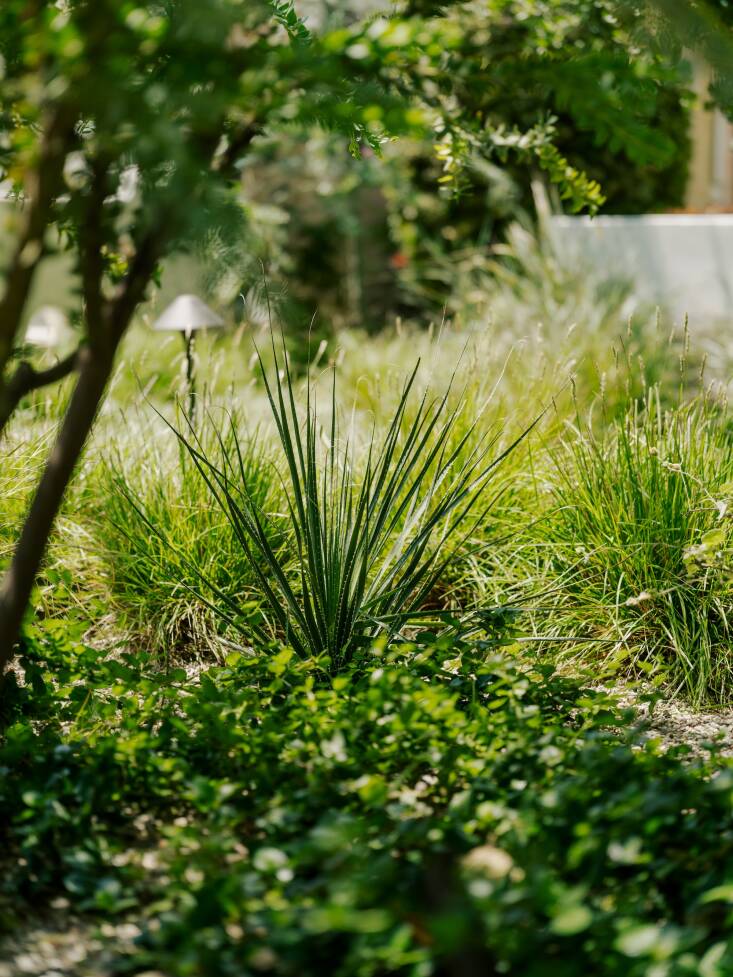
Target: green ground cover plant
[(443, 808)]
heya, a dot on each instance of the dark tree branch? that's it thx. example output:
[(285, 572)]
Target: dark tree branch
[(91, 245), (153, 243), (40, 191), (94, 364), (26, 379), (238, 144), (94, 371), (132, 289)]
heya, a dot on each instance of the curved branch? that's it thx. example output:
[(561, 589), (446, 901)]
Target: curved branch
[(93, 363), (91, 243), (42, 185), (238, 144), (27, 379)]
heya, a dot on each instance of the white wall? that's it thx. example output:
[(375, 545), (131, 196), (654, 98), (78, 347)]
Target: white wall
[(683, 261)]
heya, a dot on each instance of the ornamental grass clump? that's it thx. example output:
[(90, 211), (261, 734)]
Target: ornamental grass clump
[(159, 532), (371, 530), (641, 540)]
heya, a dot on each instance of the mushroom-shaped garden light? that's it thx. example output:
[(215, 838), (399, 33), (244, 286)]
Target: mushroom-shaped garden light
[(186, 315), (48, 328)]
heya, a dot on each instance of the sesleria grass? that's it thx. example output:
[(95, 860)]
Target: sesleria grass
[(370, 535), (62, 583), (638, 542), (159, 531)]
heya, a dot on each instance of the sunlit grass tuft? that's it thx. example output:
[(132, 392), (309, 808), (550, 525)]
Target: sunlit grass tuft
[(628, 548), (160, 531)]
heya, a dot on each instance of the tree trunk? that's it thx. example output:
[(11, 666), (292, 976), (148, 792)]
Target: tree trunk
[(445, 896), (41, 187), (95, 367)]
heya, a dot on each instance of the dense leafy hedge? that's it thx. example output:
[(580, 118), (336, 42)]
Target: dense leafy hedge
[(437, 810)]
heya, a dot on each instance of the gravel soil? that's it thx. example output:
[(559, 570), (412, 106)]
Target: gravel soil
[(62, 945), (675, 724)]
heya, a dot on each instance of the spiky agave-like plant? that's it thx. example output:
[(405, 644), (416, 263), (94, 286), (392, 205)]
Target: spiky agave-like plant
[(371, 541)]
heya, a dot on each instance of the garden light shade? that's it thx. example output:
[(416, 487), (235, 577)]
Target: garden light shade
[(186, 314), (48, 328)]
